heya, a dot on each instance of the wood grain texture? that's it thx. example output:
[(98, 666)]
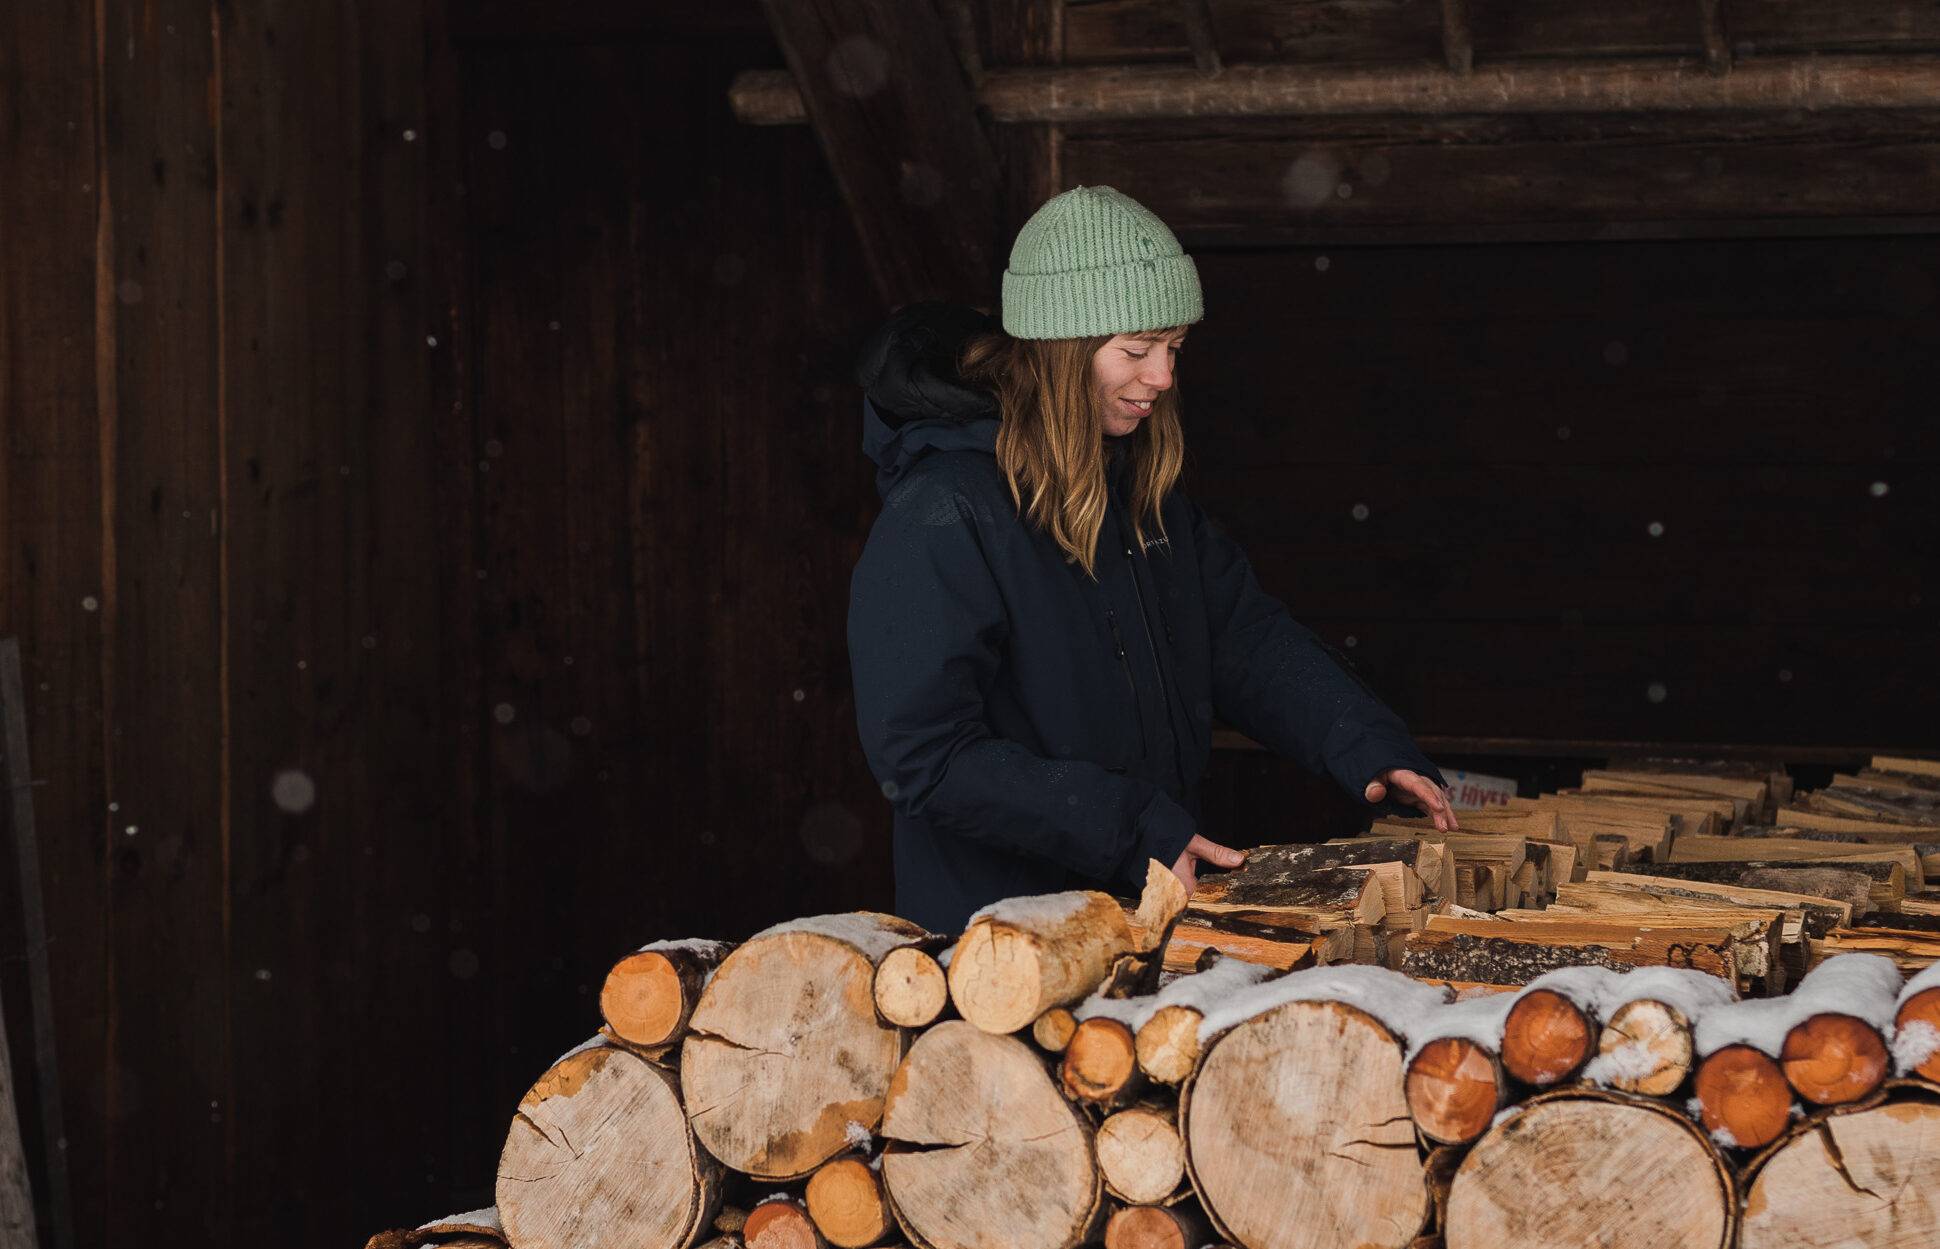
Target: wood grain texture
[(1864, 1177)]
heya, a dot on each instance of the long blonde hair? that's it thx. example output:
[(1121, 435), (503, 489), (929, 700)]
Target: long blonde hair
[(1050, 439)]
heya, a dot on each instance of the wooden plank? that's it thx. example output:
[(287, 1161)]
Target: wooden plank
[(16, 1191), (1458, 36), (1525, 30), (51, 509), (1030, 157), (1118, 31), (898, 123)]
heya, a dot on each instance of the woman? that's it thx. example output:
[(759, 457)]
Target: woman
[(1042, 626)]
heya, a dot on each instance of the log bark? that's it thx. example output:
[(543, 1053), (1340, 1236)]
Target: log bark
[(781, 1223), (1859, 1175), (910, 987), (983, 1149), (1100, 1064), (1817, 916), (1646, 1047), (1743, 1099), (1158, 1227), (845, 1198), (1335, 897), (1011, 966), (1297, 1133), (1454, 1087), (1514, 952), (786, 1050), (650, 995), (1141, 1154), (1851, 884), (600, 1152), (1546, 1039), (1282, 942), (1578, 1168)]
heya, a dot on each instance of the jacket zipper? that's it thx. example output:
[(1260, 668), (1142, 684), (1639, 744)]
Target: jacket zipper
[(1125, 666)]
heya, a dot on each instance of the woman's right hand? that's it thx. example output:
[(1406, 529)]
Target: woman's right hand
[(1200, 850)]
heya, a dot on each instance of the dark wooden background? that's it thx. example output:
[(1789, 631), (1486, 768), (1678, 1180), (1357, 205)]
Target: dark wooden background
[(432, 479)]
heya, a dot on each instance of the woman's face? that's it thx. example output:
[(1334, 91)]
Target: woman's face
[(1130, 372)]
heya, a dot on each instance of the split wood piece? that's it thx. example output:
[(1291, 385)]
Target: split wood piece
[(1901, 810), (650, 994), (1297, 1132), (1910, 950), (1876, 829), (1926, 902), (1284, 942), (1100, 1064), (1158, 1227), (781, 1223), (1503, 850), (983, 1148), (1546, 1039), (1489, 823), (1646, 1048), (1020, 958), (1899, 782), (600, 1151), (1455, 1087), (1333, 897), (1130, 975), (1834, 1058), (1167, 1044), (1901, 764), (1743, 1099), (1052, 1030), (1390, 861), (1609, 852), (1756, 794), (1604, 787), (1572, 1168), (846, 1200), (1641, 815), (1909, 922), (1797, 849), (1861, 1175), (1141, 1154), (910, 988), (786, 1049), (1800, 915), (1753, 936), (1496, 951), (1160, 904), (1854, 884), (1424, 858), (1921, 1010)]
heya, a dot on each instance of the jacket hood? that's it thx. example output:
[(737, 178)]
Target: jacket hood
[(914, 400)]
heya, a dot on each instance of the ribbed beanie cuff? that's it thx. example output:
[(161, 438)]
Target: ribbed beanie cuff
[(1094, 261)]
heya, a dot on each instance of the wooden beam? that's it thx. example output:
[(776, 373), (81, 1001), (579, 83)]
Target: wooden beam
[(897, 121), (1154, 93), (1458, 43), (1717, 43), (1030, 157), (1197, 15)]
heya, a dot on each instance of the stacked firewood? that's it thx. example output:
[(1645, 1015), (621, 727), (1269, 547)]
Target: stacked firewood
[(1669, 1048)]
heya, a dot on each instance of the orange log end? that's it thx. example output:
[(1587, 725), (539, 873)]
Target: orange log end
[(780, 1224), (641, 999), (1546, 1038), (1834, 1059), (1742, 1096), (1454, 1089), (1923, 1008)]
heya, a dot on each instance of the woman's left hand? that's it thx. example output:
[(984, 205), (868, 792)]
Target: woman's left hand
[(1417, 789)]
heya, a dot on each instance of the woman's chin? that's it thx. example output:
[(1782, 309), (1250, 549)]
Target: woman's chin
[(1119, 426)]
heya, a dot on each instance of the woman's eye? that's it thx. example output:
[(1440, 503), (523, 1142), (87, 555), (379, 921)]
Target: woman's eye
[(1136, 355)]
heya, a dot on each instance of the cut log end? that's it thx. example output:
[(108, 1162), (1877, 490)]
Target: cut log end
[(1743, 1098), (1854, 1177), (1833, 1059), (780, 1224), (1141, 1154), (1052, 1030), (1645, 1048), (1101, 1064), (1546, 1038), (1156, 1227), (1923, 1008), (910, 987), (1168, 1043), (845, 1199), (1454, 1089), (646, 1000)]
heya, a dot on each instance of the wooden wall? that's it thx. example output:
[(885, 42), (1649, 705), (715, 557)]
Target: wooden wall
[(432, 482)]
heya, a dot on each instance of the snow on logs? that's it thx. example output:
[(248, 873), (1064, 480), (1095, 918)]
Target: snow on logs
[(785, 1049), (600, 1152)]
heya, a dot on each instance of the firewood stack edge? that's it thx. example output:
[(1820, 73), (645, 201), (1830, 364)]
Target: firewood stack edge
[(1679, 1004)]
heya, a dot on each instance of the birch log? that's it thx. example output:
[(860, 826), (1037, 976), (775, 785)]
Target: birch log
[(1297, 1133), (1023, 957), (600, 1153), (984, 1151), (786, 1050), (1856, 1175), (1577, 1168)]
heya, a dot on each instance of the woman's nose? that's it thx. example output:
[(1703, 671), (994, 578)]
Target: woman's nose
[(1157, 376)]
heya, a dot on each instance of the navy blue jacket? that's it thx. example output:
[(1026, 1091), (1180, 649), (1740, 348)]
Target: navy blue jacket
[(1035, 729)]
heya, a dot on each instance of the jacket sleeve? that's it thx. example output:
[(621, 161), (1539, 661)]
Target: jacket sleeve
[(927, 632), (1278, 683)]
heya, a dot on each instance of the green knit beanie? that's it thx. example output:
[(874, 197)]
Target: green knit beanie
[(1095, 261)]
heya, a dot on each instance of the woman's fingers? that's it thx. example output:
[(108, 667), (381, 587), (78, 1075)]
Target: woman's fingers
[(1376, 791), (1427, 795), (1214, 853)]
